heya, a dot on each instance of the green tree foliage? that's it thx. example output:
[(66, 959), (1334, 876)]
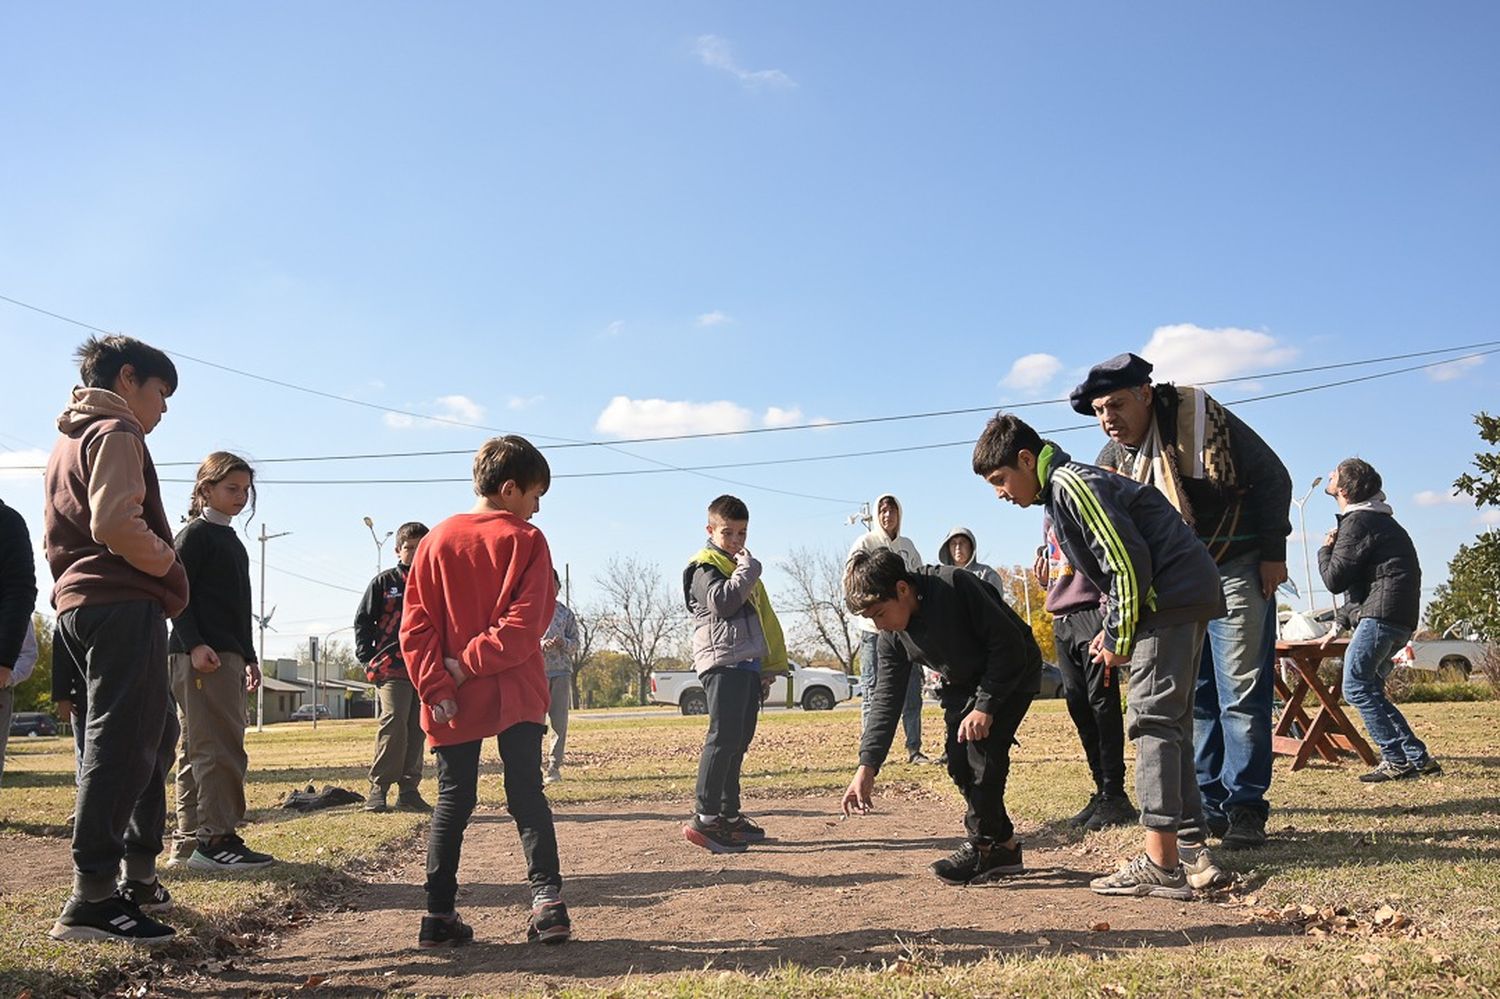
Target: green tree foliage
[(605, 681), (1484, 487), (1472, 591), (36, 693), (1020, 586)]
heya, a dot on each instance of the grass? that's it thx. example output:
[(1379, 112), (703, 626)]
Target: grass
[(1429, 848)]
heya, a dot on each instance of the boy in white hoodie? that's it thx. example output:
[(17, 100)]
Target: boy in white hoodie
[(887, 534)]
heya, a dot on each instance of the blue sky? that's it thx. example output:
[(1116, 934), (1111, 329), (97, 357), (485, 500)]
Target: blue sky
[(541, 218)]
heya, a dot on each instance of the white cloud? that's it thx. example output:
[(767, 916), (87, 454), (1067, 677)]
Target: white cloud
[(1431, 497), (714, 318), (445, 410), (25, 464), (1032, 372), (627, 417), (523, 402), (1450, 370), (714, 52), (1191, 354), (778, 417), (615, 328), (1490, 517)]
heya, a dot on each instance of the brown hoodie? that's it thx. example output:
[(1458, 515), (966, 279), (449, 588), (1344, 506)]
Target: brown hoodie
[(106, 533)]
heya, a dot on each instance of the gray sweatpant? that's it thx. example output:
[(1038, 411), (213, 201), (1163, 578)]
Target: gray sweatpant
[(1159, 720), (561, 688)]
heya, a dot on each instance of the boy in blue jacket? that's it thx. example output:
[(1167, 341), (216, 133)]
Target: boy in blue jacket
[(1162, 589)]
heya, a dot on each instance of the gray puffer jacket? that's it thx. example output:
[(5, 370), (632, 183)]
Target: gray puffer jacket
[(726, 629)]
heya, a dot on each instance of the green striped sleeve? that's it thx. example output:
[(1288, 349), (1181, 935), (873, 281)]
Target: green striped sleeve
[(1125, 602)]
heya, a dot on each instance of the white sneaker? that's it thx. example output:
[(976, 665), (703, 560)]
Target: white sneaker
[(1201, 869), (552, 776)]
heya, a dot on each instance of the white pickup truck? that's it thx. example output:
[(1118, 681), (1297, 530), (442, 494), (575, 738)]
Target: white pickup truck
[(815, 689), (1443, 653)]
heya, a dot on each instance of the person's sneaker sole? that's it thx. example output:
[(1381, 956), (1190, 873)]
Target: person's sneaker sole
[(696, 838), (61, 931), (200, 863), (1183, 894), (553, 935), (988, 877)]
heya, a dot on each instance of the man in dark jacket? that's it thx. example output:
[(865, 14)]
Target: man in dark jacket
[(17, 600), (955, 623), (1370, 559), (1236, 494)]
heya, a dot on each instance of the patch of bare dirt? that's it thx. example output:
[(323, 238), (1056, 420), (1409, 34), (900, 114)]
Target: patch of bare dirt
[(822, 892)]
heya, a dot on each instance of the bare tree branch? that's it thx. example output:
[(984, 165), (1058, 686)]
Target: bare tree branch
[(816, 599), (642, 614)]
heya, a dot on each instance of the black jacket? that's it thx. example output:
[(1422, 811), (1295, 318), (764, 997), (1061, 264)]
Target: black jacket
[(1373, 563), (1130, 543), (377, 626), (17, 584), (1263, 496), (965, 631), (218, 608)]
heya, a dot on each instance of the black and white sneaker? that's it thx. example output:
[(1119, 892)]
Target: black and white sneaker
[(152, 897), (976, 863), (112, 919), (1388, 770), (741, 827), (444, 931), (549, 923), (713, 836), (229, 853)]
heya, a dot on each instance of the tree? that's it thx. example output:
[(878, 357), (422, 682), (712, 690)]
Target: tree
[(1484, 487), (1472, 590), (1021, 586), (36, 693), (605, 680), (642, 615), (588, 621), (336, 660), (824, 624)]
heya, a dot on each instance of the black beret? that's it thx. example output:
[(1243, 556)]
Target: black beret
[(1120, 371)]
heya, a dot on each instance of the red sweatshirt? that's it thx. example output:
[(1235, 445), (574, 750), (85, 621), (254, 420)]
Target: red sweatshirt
[(480, 591)]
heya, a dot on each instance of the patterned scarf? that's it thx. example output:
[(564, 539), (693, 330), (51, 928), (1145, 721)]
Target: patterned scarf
[(1200, 451)]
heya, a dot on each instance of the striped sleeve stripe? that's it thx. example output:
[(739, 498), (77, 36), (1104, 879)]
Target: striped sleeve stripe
[(1114, 549)]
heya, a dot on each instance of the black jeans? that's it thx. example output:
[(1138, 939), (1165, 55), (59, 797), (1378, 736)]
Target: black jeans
[(458, 790), (129, 739), (733, 708), (1094, 708), (980, 768)]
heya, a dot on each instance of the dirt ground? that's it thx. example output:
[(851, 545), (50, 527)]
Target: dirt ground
[(820, 893)]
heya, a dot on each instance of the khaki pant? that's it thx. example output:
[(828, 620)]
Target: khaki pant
[(561, 689), (399, 741), (211, 760)]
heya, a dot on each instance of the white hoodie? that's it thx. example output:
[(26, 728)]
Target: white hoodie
[(875, 539)]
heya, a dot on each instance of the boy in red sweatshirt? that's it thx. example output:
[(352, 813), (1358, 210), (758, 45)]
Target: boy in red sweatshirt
[(479, 597)]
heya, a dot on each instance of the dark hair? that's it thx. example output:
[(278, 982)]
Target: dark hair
[(1357, 480), (412, 530), (511, 458), (728, 507), (100, 359), (871, 577), (1003, 439), (215, 469)]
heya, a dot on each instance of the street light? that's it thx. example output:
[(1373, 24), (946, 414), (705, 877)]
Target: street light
[(379, 542), (1302, 526)]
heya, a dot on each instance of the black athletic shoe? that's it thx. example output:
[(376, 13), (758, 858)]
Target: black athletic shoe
[(1388, 770), (229, 854), (1112, 810), (1087, 812), (1430, 767), (976, 863), (1247, 830), (152, 897), (712, 836), (743, 828), (112, 919), (1217, 824), (444, 931), (550, 923), (411, 801)]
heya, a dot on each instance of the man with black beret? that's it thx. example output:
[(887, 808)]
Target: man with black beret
[(1236, 494)]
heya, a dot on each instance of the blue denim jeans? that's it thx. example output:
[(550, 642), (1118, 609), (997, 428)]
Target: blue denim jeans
[(911, 714), (1366, 665), (1232, 701)]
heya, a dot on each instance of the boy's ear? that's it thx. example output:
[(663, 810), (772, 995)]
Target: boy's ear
[(1026, 461), (125, 378)]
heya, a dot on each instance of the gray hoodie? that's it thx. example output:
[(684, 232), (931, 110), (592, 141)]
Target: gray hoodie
[(876, 539), (978, 568)]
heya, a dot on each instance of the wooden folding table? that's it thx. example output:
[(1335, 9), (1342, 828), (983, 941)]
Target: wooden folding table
[(1328, 731)]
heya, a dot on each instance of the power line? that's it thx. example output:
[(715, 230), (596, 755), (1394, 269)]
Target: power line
[(310, 579)]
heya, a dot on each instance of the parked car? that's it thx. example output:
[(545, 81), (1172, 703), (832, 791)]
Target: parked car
[(32, 723), (813, 687), (1439, 654), (305, 712)]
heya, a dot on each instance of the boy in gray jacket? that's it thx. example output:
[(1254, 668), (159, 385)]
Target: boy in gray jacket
[(737, 649)]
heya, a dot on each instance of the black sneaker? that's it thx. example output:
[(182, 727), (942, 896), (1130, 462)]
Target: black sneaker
[(743, 828), (1112, 810), (549, 923), (1218, 824), (976, 863), (712, 836), (1390, 770), (1247, 830), (1087, 812), (229, 854), (444, 931), (1429, 767), (375, 799), (112, 919), (410, 801), (152, 897)]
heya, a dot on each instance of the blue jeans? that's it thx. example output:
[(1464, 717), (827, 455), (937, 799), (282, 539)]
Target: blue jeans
[(1232, 700), (911, 714), (1366, 665)]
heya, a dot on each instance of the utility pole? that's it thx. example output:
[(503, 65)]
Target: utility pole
[(1302, 528), (379, 542), (260, 692)]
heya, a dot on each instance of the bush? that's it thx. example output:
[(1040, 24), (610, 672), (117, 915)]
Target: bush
[(1454, 690)]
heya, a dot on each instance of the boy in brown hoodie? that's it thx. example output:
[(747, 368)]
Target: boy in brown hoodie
[(117, 580)]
